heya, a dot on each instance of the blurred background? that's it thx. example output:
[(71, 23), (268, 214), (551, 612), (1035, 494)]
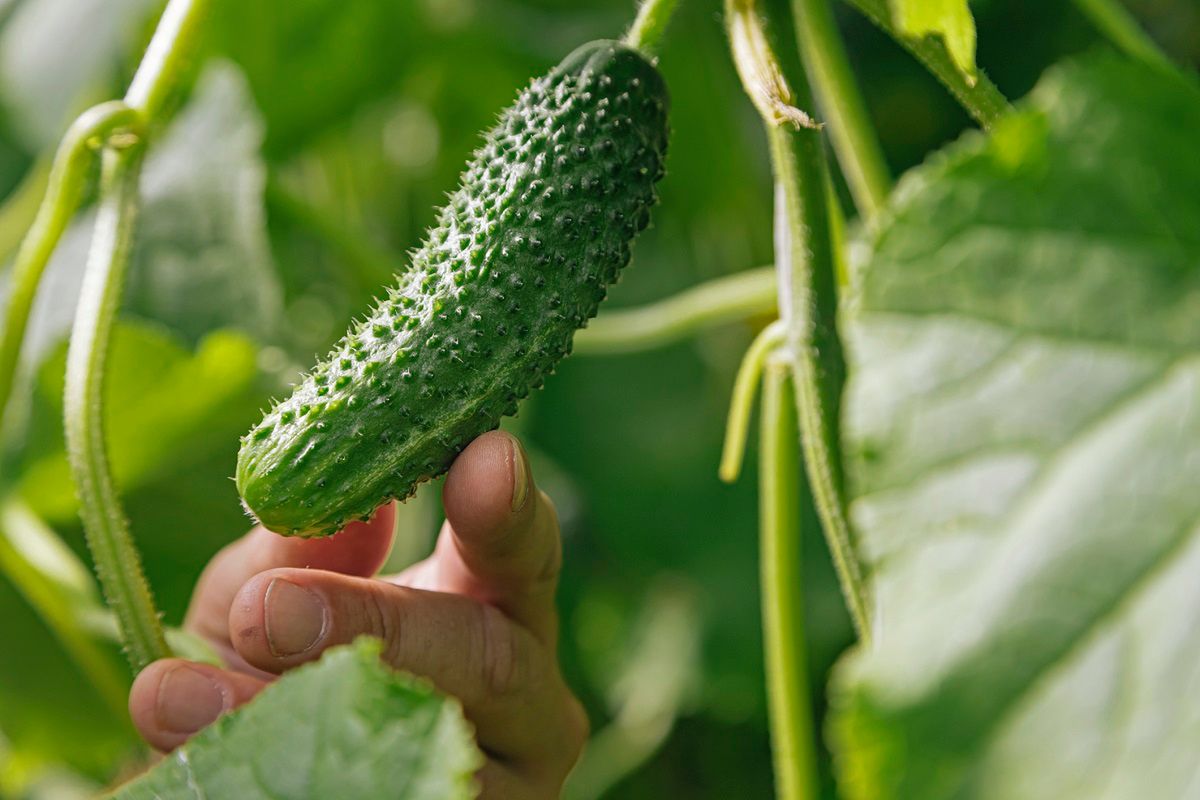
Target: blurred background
[(308, 158)]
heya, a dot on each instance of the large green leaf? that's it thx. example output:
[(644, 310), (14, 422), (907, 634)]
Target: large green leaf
[(346, 727), (1025, 429)]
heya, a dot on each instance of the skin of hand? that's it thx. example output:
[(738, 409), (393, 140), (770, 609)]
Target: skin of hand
[(477, 618)]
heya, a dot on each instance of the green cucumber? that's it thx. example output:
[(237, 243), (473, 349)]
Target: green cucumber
[(518, 260)]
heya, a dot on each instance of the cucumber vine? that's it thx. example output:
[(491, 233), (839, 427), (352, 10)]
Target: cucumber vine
[(120, 129)]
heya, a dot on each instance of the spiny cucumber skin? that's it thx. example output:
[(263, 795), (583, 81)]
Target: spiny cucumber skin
[(518, 260)]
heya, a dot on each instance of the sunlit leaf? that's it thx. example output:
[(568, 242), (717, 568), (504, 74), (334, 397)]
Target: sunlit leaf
[(1026, 435)]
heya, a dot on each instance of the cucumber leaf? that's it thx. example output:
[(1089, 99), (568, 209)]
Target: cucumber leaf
[(1023, 433), (345, 727)]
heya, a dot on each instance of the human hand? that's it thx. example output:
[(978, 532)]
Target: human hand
[(477, 618)]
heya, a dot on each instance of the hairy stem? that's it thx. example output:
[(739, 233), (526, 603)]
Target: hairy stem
[(651, 22), (64, 189), (118, 563), (745, 387), (1121, 28), (808, 304), (807, 264), (715, 302), (981, 99), (793, 742), (854, 137)]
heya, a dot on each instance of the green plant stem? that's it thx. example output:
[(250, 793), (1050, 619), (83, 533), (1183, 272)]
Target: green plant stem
[(840, 102), (172, 48), (651, 22), (808, 305), (118, 563), (981, 99), (58, 586), (807, 266), (745, 386), (793, 742), (117, 560), (715, 302), (1121, 28), (65, 187)]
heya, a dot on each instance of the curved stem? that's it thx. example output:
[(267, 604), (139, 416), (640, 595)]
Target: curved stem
[(807, 265), (1121, 28), (172, 48), (854, 138), (67, 177), (650, 24), (981, 99), (781, 486), (706, 305), (745, 386), (118, 563)]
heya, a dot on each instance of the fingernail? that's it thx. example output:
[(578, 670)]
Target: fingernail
[(188, 700), (520, 476), (294, 618)]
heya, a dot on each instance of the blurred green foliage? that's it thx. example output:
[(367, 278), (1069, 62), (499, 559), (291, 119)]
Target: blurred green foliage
[(293, 181)]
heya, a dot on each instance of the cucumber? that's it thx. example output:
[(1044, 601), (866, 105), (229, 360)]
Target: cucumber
[(518, 260)]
